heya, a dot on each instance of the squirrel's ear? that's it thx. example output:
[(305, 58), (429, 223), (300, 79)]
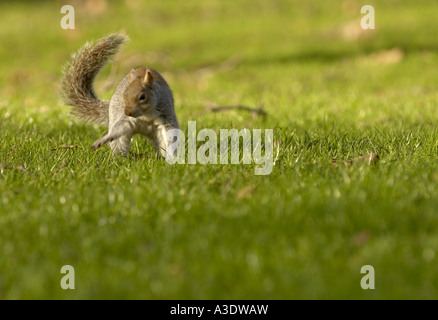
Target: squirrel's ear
[(148, 79), (132, 75)]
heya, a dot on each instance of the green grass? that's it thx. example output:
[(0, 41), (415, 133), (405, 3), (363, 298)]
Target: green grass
[(144, 229)]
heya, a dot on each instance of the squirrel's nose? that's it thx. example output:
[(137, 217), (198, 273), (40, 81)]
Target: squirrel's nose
[(128, 113)]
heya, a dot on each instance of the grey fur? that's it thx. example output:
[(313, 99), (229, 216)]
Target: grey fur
[(77, 86)]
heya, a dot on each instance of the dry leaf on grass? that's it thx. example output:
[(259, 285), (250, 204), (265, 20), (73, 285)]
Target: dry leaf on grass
[(63, 165), (361, 238), (371, 158), (391, 56), (383, 57), (96, 7), (245, 192)]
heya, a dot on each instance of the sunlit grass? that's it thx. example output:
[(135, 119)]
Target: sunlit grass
[(145, 229)]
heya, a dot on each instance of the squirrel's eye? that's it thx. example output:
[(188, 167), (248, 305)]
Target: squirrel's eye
[(142, 97)]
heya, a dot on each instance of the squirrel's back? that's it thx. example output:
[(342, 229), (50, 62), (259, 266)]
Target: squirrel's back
[(79, 75)]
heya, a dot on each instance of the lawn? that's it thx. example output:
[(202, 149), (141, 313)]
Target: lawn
[(144, 229)]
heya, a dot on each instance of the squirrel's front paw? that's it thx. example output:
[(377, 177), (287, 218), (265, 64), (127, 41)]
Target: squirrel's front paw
[(101, 142), (97, 144)]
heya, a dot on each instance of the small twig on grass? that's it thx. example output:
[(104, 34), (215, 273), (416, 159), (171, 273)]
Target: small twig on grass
[(144, 155), (10, 166), (259, 111), (64, 146)]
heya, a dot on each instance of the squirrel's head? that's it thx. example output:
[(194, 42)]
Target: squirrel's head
[(138, 95)]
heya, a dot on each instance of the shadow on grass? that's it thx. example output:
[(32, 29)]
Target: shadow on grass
[(330, 55)]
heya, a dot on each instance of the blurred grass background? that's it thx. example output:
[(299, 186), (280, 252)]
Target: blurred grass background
[(143, 229)]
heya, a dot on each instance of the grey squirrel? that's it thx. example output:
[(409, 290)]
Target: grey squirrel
[(142, 102)]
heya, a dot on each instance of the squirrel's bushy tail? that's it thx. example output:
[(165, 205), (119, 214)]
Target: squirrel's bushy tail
[(79, 75)]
